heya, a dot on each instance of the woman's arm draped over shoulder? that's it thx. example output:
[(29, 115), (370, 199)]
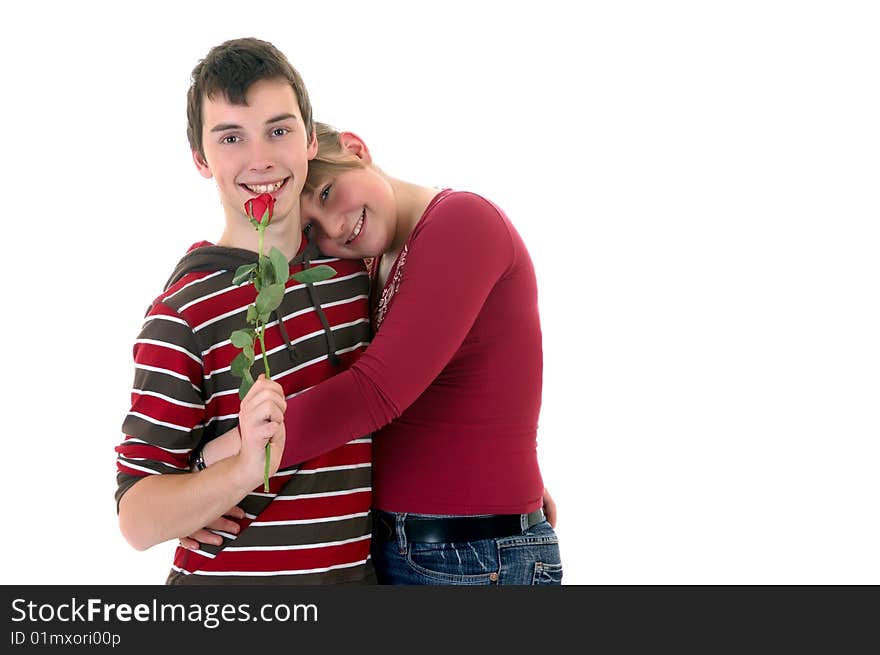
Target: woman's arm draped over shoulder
[(455, 258)]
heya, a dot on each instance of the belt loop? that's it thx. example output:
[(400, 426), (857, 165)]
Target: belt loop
[(399, 524), (523, 522)]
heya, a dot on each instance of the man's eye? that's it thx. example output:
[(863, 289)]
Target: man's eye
[(280, 131), (230, 139), (325, 192)]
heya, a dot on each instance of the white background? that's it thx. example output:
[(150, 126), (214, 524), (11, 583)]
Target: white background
[(697, 183)]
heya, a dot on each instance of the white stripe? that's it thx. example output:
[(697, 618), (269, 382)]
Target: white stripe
[(228, 392), (174, 374), (334, 468), (225, 535), (347, 565), (189, 284), (149, 419), (316, 360), (165, 317), (344, 301), (173, 401), (244, 307), (326, 494), (136, 468), (169, 346), (259, 356), (307, 310), (323, 519), (233, 312), (221, 418), (149, 459), (296, 471), (243, 549), (203, 553), (167, 450), (334, 280), (208, 296)]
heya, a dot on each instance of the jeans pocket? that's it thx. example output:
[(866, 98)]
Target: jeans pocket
[(466, 563), (547, 573)]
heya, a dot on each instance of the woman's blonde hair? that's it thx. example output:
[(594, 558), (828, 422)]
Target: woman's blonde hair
[(331, 159)]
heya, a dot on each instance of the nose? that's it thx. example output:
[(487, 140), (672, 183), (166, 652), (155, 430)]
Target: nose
[(332, 227), (260, 159)]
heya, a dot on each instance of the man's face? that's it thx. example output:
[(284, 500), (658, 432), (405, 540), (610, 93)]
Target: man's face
[(261, 147)]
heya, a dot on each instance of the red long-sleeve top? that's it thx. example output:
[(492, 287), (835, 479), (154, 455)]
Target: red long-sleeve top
[(451, 383)]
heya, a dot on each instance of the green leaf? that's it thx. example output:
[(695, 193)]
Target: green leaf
[(248, 351), (266, 274), (254, 222), (240, 364), (245, 386), (270, 298), (243, 273), (252, 314), (242, 338), (316, 274), (279, 265)]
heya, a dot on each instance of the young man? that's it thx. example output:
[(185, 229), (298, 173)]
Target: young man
[(250, 129)]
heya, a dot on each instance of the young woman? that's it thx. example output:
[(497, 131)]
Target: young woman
[(451, 383)]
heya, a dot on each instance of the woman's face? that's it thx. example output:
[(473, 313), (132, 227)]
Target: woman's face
[(352, 214)]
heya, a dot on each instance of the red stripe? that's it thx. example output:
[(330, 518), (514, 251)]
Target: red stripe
[(122, 468), (286, 560), (167, 412), (169, 359), (316, 508), (207, 309), (347, 455)]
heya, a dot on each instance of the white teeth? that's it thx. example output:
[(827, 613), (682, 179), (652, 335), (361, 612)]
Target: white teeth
[(357, 228), (265, 188)]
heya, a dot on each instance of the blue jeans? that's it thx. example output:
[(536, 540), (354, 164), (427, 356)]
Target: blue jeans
[(530, 558)]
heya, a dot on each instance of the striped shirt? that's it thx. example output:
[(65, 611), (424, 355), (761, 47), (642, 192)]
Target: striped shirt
[(313, 525)]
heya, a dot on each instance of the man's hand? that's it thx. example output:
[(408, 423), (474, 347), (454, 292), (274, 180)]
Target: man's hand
[(261, 421), (222, 524)]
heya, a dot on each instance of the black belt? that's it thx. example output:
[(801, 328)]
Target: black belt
[(459, 528)]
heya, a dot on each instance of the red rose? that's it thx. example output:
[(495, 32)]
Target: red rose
[(260, 208)]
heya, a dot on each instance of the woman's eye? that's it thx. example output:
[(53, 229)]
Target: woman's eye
[(280, 131), (325, 192), (230, 139)]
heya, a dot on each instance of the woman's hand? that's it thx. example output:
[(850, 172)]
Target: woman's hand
[(549, 508), (221, 524)]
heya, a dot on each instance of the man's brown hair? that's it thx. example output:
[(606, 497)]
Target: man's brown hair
[(230, 69)]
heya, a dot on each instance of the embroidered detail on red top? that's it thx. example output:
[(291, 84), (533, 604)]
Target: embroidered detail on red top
[(391, 288)]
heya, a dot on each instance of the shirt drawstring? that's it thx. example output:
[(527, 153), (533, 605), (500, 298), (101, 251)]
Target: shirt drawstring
[(309, 251)]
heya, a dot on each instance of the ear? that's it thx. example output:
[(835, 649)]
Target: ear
[(202, 165), (312, 148), (356, 146)]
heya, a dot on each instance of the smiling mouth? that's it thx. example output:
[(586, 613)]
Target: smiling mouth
[(271, 187), (358, 227)]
